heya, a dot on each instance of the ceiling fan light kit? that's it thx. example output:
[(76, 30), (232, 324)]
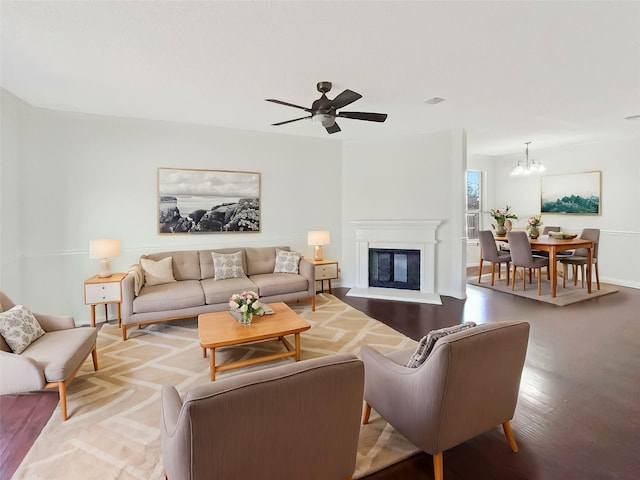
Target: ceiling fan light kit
[(324, 111)]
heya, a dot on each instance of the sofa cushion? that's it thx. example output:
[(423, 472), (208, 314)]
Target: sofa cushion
[(169, 296), (279, 283), (227, 265), (428, 342), (286, 262), (219, 291), (206, 260), (261, 260), (157, 273), (19, 328), (61, 351), (186, 264)]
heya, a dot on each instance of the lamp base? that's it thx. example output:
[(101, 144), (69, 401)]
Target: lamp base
[(105, 268), (317, 253)]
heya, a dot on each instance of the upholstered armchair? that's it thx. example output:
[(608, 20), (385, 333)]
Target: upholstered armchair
[(50, 361), (299, 420), (467, 385)]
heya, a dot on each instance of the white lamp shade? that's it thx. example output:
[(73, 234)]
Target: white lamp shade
[(104, 248), (318, 237)]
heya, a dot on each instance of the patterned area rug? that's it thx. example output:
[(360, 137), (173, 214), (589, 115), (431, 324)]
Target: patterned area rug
[(564, 296), (113, 431)]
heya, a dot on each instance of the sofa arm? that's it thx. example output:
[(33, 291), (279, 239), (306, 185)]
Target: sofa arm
[(128, 294), (19, 374), (308, 271), (52, 323)]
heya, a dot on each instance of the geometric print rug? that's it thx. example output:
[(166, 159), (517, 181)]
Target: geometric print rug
[(113, 427)]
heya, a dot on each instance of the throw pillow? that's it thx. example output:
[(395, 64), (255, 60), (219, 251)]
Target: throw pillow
[(426, 344), (227, 265), (157, 273), (19, 328), (286, 262)]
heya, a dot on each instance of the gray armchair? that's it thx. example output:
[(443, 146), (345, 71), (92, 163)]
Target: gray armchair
[(467, 385), (299, 420), (51, 361)]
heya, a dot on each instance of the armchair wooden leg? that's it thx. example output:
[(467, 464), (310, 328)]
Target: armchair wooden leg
[(540, 281), (506, 426), (366, 413), (480, 271), (62, 389), (513, 277), (597, 276), (313, 304), (508, 268), (437, 466), (493, 272)]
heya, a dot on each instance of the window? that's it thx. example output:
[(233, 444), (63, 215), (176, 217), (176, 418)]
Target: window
[(474, 203)]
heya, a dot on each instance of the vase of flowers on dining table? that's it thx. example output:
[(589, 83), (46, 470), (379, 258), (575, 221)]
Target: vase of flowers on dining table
[(532, 226), (501, 215)]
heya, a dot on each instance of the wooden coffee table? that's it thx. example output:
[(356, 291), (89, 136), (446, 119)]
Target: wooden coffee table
[(220, 329)]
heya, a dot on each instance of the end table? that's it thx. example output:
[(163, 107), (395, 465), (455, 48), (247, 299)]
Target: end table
[(103, 290)]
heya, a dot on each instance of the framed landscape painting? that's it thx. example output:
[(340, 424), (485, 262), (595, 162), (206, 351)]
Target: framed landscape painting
[(208, 201), (573, 193)]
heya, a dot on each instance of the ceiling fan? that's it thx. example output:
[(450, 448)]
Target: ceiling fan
[(324, 111)]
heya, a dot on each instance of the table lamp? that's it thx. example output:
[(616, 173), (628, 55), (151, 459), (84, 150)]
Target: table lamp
[(103, 249), (318, 238)]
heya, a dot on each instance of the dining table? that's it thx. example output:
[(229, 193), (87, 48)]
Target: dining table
[(555, 245)]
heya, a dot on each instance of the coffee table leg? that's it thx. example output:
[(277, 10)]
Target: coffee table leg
[(297, 335), (212, 363)]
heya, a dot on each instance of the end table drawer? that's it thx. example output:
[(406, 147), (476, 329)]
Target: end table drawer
[(102, 293), (326, 272)]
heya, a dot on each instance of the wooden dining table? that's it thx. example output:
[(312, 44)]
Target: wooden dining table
[(555, 245)]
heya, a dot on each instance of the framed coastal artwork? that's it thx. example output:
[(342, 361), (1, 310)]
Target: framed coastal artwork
[(208, 201), (572, 194)]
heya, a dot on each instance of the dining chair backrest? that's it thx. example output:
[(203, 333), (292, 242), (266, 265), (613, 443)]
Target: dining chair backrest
[(550, 229), (488, 246), (592, 234), (520, 248)]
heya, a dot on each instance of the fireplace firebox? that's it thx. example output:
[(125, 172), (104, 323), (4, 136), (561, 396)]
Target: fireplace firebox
[(394, 268)]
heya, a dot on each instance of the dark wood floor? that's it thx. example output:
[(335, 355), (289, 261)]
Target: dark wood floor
[(578, 415)]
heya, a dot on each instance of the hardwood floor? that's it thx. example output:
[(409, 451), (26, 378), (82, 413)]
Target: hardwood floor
[(578, 415)]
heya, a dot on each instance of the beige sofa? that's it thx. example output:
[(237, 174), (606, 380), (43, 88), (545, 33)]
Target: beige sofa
[(195, 290)]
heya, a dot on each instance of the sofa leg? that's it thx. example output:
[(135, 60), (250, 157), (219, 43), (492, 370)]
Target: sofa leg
[(313, 304), (124, 332), (94, 357), (366, 413), (437, 466)]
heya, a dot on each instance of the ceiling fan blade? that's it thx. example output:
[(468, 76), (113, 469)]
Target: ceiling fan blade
[(370, 117), (345, 98), (289, 121), (333, 128), (287, 104)]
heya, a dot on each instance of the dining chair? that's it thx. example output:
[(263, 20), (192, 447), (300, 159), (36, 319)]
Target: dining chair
[(489, 252), (521, 256), (580, 257)]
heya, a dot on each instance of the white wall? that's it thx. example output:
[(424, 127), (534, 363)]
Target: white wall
[(414, 177), (76, 177), (619, 162)]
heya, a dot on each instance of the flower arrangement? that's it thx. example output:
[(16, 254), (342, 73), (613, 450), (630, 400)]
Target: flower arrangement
[(500, 215), (534, 222), (246, 305)]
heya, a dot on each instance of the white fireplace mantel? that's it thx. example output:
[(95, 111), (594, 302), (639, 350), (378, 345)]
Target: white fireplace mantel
[(396, 234)]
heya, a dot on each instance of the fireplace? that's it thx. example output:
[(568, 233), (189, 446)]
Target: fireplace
[(403, 243), (394, 268)]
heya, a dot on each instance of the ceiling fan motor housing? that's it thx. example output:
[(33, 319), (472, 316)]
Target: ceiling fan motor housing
[(324, 87)]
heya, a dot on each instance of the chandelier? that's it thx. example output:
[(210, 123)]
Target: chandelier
[(527, 167)]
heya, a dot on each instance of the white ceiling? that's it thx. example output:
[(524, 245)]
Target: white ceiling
[(553, 73)]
